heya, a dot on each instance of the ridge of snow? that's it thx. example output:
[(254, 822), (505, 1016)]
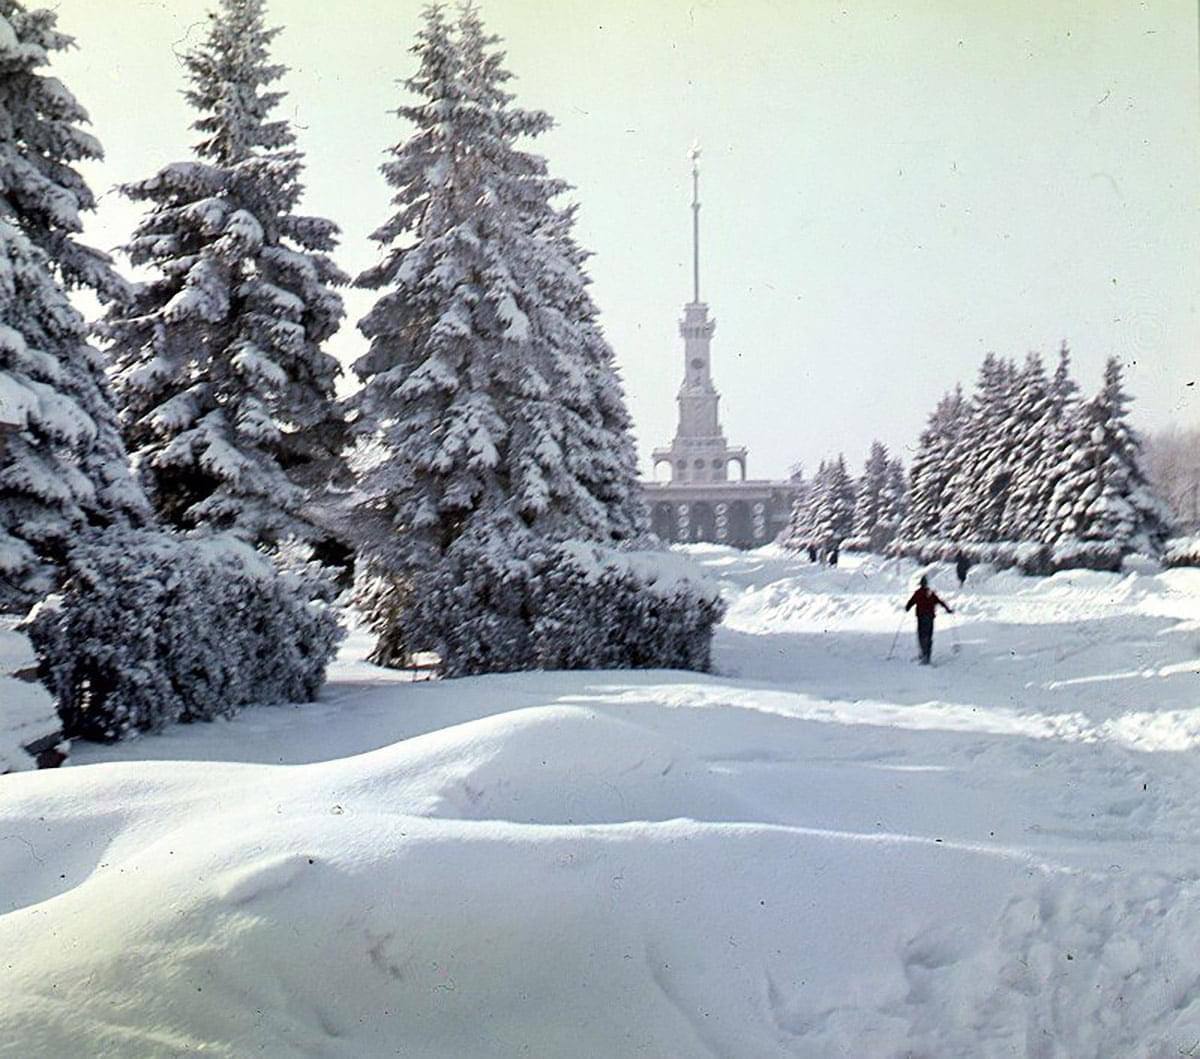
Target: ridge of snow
[(820, 852)]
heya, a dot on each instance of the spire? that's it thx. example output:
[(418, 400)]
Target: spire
[(695, 153)]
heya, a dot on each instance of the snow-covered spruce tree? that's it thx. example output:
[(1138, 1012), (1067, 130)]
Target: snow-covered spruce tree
[(1103, 504), (833, 510), (227, 395), (582, 437), (491, 419), (1033, 431), (1059, 442), (893, 504), (65, 469), (869, 498), (44, 495), (595, 430), (42, 139), (801, 533), (935, 464), (978, 492)]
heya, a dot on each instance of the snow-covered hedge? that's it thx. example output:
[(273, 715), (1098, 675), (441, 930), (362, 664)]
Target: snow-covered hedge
[(1028, 557), (152, 628), (1182, 551), (566, 606), (858, 544), (1086, 555)]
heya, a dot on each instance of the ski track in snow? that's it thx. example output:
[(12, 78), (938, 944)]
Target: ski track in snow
[(818, 851)]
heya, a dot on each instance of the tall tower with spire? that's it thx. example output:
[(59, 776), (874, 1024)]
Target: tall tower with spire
[(701, 502), (699, 451)]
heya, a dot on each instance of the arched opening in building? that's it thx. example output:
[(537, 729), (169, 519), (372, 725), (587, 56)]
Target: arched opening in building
[(740, 533), (704, 522), (659, 475), (741, 462), (662, 522)]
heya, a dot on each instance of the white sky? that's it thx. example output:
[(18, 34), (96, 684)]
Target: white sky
[(890, 189)]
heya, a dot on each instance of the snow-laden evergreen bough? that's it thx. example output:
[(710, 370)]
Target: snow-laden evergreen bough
[(226, 391), (64, 469), (491, 422)]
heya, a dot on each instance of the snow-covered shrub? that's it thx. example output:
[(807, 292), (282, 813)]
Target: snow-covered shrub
[(1086, 555), (1029, 557), (858, 544), (1182, 551), (474, 612), (564, 606), (924, 550), (1136, 563), (595, 608), (152, 628)]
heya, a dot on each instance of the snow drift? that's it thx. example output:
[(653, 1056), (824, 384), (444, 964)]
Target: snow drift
[(828, 855)]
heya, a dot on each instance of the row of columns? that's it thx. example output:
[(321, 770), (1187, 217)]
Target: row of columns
[(689, 522)]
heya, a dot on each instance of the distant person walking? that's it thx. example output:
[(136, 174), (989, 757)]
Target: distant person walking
[(926, 601), (812, 553), (961, 566), (833, 556)]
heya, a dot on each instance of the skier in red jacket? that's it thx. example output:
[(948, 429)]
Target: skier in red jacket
[(926, 601)]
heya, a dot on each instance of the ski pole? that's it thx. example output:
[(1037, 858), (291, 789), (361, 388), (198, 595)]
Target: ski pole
[(892, 649), (954, 636)]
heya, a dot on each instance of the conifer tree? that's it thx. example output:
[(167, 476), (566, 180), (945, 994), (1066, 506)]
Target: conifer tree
[(934, 466), (1103, 496), (979, 490), (65, 467), (41, 142), (1064, 415), (1033, 429), (794, 537), (490, 415), (833, 509), (893, 504), (224, 385), (869, 498)]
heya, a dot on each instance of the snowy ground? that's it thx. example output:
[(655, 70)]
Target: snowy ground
[(819, 852)]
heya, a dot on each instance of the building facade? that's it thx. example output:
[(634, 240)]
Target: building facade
[(700, 501)]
